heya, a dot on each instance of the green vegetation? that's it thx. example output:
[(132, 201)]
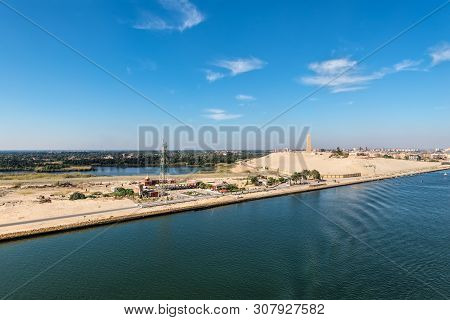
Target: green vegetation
[(231, 188), (77, 196), (95, 195), (315, 175), (305, 174), (296, 176), (255, 181), (282, 180), (338, 153), (42, 161), (271, 181), (122, 192), (203, 185), (62, 168)]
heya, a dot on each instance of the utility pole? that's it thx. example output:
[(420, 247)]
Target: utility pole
[(163, 163)]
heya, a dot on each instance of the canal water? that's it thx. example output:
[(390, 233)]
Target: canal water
[(133, 171), (379, 240), (130, 171)]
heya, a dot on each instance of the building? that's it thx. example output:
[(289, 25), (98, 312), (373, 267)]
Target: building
[(338, 176), (414, 157), (147, 192), (308, 144)]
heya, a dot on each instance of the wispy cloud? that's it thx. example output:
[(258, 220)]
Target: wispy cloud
[(440, 53), (219, 114), (328, 70), (245, 97), (235, 67), (212, 76), (407, 65), (182, 15), (327, 73), (334, 66), (241, 65), (347, 89)]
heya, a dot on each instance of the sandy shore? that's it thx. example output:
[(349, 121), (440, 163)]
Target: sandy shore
[(290, 162), (18, 221)]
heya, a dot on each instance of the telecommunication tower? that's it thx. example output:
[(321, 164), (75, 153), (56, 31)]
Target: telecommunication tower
[(163, 163)]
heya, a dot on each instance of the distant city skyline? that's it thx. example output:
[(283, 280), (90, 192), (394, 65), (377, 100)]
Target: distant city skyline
[(223, 63)]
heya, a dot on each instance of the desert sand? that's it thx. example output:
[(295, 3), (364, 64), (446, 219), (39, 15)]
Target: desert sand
[(290, 162)]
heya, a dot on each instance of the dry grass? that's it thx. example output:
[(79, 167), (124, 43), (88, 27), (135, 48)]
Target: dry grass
[(223, 168), (35, 176), (25, 192)]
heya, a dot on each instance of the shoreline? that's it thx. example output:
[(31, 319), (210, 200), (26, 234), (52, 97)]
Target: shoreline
[(201, 204)]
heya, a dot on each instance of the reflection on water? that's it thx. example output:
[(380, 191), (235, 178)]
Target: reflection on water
[(131, 171), (342, 243)]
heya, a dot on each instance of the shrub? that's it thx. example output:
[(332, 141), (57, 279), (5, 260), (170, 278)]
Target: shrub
[(77, 196), (203, 185), (255, 181), (231, 188), (122, 192)]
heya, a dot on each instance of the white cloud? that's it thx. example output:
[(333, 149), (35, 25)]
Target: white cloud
[(151, 22), (440, 53), (219, 114), (346, 82), (212, 76), (213, 110), (334, 66), (343, 75), (184, 15), (241, 65), (347, 89), (245, 97), (234, 67), (407, 65)]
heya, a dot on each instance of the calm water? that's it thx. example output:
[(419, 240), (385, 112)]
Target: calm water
[(380, 240), (131, 171)]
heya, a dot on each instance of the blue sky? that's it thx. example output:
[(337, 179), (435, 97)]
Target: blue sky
[(223, 62)]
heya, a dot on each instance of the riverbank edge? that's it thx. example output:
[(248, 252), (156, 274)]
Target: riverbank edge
[(195, 207)]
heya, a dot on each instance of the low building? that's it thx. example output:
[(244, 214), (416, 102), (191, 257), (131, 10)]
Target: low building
[(414, 157), (339, 176), (147, 192)]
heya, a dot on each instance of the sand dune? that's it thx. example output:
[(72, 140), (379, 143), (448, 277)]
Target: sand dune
[(289, 162)]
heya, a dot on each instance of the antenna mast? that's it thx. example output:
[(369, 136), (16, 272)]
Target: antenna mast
[(163, 163)]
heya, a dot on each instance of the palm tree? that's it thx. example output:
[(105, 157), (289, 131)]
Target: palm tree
[(296, 176), (315, 174), (305, 174)]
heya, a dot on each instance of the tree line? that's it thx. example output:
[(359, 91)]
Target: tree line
[(54, 161)]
